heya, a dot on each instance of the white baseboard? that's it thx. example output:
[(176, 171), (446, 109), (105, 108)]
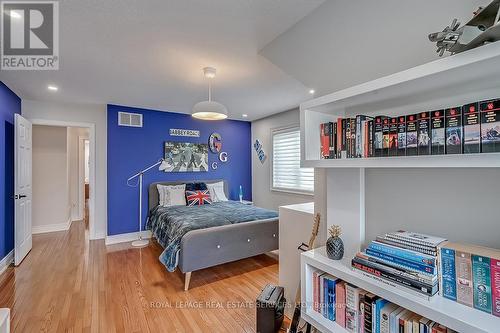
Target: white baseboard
[(6, 261), (124, 238), (41, 229)]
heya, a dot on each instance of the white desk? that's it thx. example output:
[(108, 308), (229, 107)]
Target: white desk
[(295, 228)]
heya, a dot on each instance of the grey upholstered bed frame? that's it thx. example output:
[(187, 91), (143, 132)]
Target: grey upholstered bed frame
[(209, 247)]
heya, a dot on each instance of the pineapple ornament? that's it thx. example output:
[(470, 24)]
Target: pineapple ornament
[(334, 245)]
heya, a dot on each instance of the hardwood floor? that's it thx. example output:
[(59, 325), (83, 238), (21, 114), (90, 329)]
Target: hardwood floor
[(68, 284)]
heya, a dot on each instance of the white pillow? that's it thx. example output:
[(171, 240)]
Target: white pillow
[(172, 195), (217, 192)]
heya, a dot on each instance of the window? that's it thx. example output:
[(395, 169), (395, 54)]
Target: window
[(287, 175)]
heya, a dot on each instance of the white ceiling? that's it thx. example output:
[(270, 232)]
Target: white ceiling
[(150, 54), (344, 43)]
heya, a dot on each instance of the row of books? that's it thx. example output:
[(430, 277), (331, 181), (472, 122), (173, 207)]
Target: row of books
[(472, 128), (470, 275), (359, 311), (404, 258)]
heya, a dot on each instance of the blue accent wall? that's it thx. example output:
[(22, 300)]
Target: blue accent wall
[(132, 149), (10, 104)]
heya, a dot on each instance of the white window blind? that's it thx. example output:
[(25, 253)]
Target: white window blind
[(286, 171)]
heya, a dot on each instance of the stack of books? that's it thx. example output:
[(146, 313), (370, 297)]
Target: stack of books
[(359, 311), (471, 128), (404, 258), (470, 275)]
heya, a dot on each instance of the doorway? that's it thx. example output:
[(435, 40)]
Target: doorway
[(80, 173)]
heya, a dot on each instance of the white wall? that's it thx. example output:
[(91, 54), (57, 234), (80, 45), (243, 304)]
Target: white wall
[(88, 113), (50, 187), (262, 194), (459, 204), (76, 166), (343, 43)]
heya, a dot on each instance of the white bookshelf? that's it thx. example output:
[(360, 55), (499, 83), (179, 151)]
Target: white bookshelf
[(448, 82), (449, 313), (453, 81)]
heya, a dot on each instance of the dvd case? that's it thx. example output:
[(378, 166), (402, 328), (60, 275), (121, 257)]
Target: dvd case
[(437, 133), (490, 126), (423, 128), (453, 123), (472, 128)]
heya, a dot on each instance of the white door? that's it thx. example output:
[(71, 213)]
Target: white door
[(22, 188)]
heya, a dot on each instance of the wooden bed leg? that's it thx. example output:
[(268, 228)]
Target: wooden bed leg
[(187, 279)]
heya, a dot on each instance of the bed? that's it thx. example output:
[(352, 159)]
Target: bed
[(199, 237)]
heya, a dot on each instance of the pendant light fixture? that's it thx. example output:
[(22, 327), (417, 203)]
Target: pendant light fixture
[(209, 110)]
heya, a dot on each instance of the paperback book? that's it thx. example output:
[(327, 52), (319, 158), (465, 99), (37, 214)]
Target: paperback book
[(490, 126), (378, 135), (437, 133), (402, 136), (393, 137), (481, 282), (411, 135), (453, 130), (385, 137), (448, 286), (340, 296), (472, 128), (423, 128), (495, 286), (463, 267)]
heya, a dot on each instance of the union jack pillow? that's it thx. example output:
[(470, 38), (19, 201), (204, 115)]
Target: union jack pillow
[(198, 198)]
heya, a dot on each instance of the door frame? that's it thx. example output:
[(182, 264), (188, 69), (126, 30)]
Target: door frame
[(92, 164), (81, 176)]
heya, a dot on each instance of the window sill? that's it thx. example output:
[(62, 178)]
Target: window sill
[(305, 193)]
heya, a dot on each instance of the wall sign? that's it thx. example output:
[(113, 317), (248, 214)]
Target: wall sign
[(260, 151), (184, 132), (215, 143)]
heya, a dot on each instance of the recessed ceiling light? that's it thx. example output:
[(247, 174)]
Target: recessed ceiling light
[(244, 115), (312, 91), (52, 88)]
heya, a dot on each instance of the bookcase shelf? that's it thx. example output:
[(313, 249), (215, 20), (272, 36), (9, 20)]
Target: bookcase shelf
[(467, 77), (449, 313)]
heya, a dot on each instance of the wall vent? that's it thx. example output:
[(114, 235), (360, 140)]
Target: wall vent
[(129, 119)]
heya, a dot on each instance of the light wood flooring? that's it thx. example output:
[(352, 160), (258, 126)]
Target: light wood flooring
[(68, 284)]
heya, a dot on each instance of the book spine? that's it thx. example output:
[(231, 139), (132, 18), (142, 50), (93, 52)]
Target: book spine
[(424, 135), (348, 137), (393, 137), (371, 138), (331, 299), (408, 246), (339, 138), (403, 253), (411, 135), (402, 136), (481, 278), (326, 300), (414, 239), (385, 137), (490, 126), (463, 268), (321, 292), (384, 322), (472, 128), (353, 138), (396, 270), (340, 305), (495, 286), (325, 141), (344, 138), (411, 284), (351, 311), (405, 263), (315, 291), (379, 304), (332, 132), (448, 274), (367, 306), (359, 119), (437, 132), (454, 132)]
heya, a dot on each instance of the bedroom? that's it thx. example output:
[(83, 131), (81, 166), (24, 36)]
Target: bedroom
[(189, 219)]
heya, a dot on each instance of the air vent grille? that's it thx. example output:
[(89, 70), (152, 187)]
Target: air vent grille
[(129, 119)]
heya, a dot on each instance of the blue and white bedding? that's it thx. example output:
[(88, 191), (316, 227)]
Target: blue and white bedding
[(170, 224)]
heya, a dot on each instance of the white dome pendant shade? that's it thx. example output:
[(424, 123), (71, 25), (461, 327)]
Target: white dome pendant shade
[(209, 110)]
